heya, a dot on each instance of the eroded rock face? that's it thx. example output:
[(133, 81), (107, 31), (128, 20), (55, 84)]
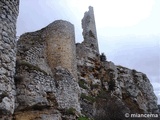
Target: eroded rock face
[(109, 91), (108, 88), (38, 115), (138, 88)]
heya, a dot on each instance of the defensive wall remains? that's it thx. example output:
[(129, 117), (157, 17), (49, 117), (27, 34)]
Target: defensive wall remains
[(9, 10)]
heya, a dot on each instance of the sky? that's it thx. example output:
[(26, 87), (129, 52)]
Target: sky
[(128, 30)]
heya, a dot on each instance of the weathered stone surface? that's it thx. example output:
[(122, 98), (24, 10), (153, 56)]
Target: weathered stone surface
[(131, 91), (60, 39), (8, 16), (86, 55), (31, 48), (88, 51), (138, 88), (111, 108), (37, 90), (54, 44), (40, 81), (89, 30), (47, 114), (68, 91)]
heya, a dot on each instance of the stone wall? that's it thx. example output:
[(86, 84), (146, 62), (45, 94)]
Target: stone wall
[(88, 51), (61, 51), (8, 18), (32, 49), (50, 47), (43, 96), (46, 72), (89, 30)]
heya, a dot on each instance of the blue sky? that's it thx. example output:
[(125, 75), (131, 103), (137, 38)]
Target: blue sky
[(128, 30)]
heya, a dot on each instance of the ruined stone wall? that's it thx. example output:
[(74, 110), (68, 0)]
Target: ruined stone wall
[(31, 48), (61, 51), (8, 17), (40, 95), (50, 47), (88, 52), (45, 67), (89, 30)]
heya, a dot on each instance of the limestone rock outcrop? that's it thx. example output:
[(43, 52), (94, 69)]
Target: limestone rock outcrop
[(107, 89)]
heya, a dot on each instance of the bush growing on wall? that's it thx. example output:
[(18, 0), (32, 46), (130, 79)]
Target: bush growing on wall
[(103, 57)]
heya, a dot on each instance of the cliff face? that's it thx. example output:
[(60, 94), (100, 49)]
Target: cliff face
[(57, 79), (110, 91)]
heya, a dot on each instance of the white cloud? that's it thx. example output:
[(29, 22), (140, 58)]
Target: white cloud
[(122, 13), (114, 13)]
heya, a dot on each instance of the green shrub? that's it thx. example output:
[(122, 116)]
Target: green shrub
[(70, 111), (82, 84), (103, 57), (111, 85), (30, 66), (89, 98), (83, 118), (95, 86), (103, 94)]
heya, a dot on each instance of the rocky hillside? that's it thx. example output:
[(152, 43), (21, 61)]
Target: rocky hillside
[(110, 91)]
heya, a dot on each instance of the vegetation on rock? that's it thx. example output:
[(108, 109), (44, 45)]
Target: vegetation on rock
[(103, 57)]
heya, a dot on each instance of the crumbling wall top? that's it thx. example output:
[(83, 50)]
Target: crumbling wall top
[(89, 30)]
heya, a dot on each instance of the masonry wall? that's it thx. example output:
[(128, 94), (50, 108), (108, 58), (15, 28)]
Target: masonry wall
[(88, 51), (31, 48), (89, 30), (45, 62), (61, 51), (8, 18)]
